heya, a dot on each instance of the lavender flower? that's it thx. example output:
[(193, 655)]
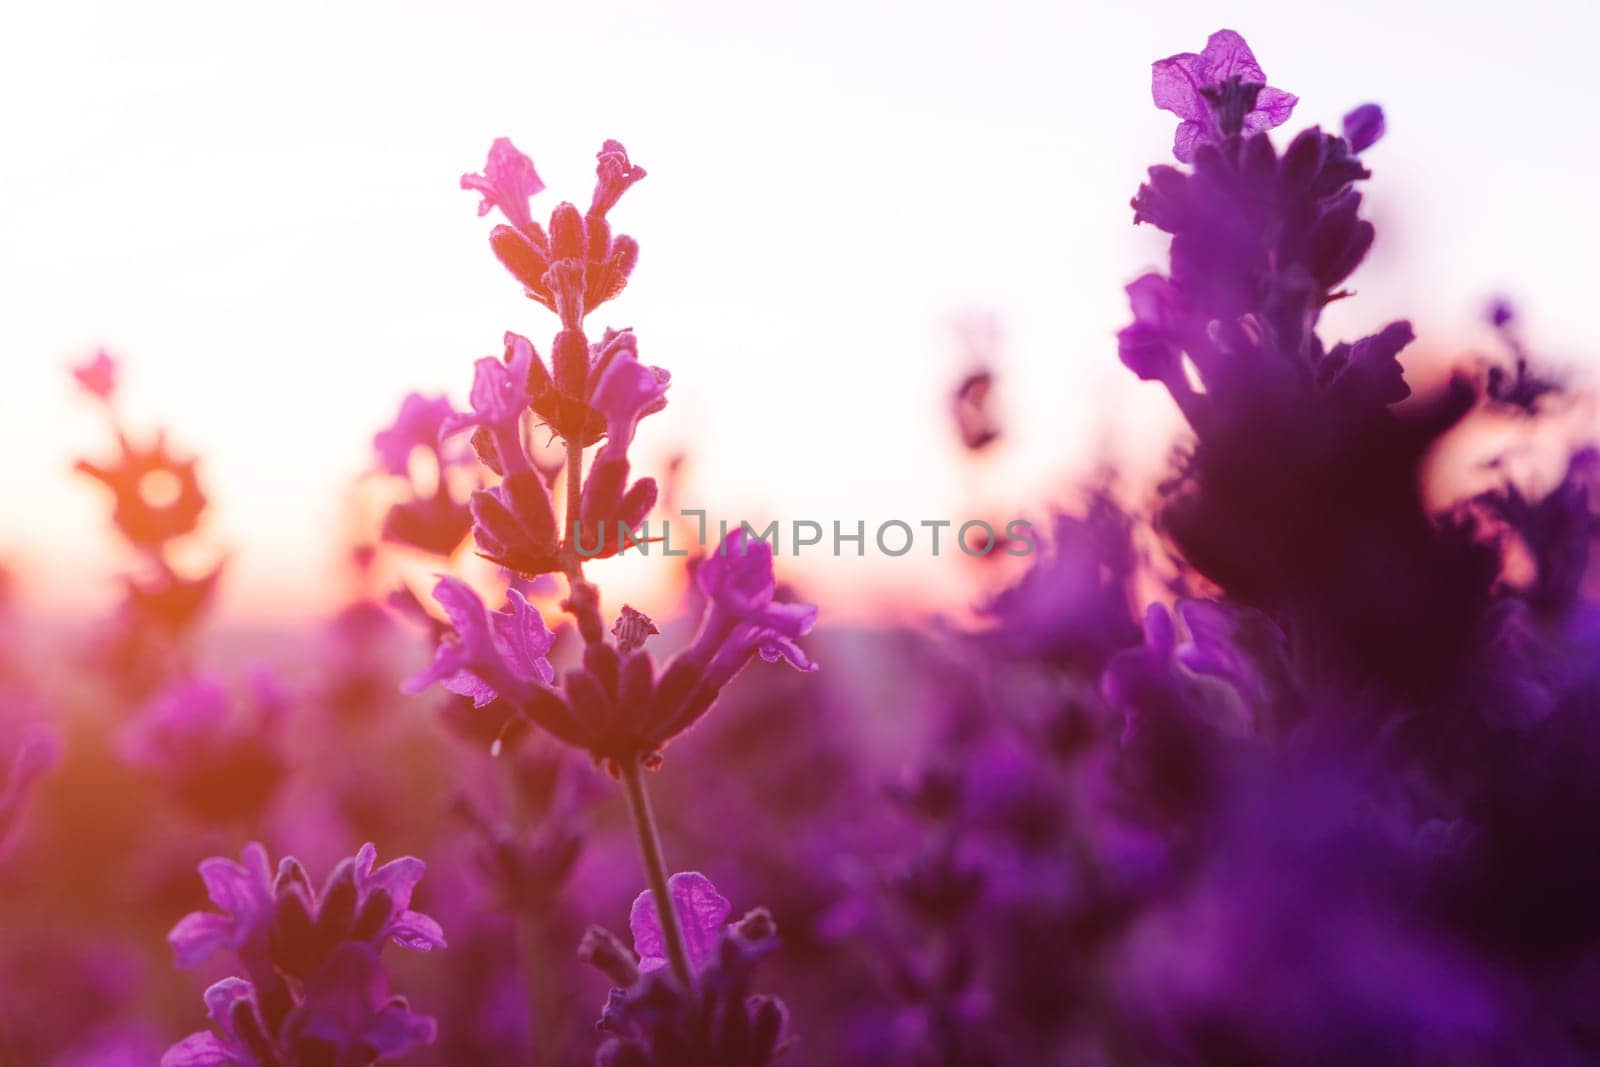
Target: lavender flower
[(317, 993), (282, 922), (1217, 93), (508, 182), (345, 1017), (654, 1021), (616, 705)]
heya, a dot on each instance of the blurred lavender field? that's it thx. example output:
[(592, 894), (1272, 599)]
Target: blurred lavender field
[(1291, 756)]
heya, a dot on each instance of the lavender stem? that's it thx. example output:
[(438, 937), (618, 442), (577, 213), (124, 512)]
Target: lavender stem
[(655, 869)]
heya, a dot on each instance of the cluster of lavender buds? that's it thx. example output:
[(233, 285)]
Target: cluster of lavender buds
[(316, 992)]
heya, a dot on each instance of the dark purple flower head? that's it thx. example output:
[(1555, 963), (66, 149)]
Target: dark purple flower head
[(1217, 93), (356, 903), (508, 182), (1365, 378), (280, 924), (98, 377)]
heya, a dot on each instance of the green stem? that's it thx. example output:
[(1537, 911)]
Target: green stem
[(574, 495), (655, 869)]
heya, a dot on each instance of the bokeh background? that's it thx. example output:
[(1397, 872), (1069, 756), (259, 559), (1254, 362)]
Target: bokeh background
[(257, 207)]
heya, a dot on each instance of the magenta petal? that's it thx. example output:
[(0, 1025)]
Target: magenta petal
[(626, 392), (201, 1049), (232, 887), (220, 998), (508, 182), (783, 648), (702, 912), (738, 575), (523, 639), (414, 930), (1273, 108), (462, 607), (398, 878), (463, 684), (1175, 84), (1227, 55), (198, 934)]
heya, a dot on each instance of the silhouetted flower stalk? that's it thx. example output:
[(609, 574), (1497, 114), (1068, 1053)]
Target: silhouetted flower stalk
[(615, 704)]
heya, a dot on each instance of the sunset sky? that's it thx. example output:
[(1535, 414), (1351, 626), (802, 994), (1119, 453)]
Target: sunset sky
[(260, 215)]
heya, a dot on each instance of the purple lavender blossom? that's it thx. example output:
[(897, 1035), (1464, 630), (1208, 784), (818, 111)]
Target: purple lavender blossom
[(507, 649), (245, 895), (615, 704), (508, 182), (653, 1021), (1217, 93), (346, 1017), (702, 912), (282, 922)]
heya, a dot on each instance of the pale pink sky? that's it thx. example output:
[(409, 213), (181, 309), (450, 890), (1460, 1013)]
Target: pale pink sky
[(256, 206)]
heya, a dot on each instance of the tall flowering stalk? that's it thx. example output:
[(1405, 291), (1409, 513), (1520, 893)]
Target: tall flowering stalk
[(157, 503), (616, 704)]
